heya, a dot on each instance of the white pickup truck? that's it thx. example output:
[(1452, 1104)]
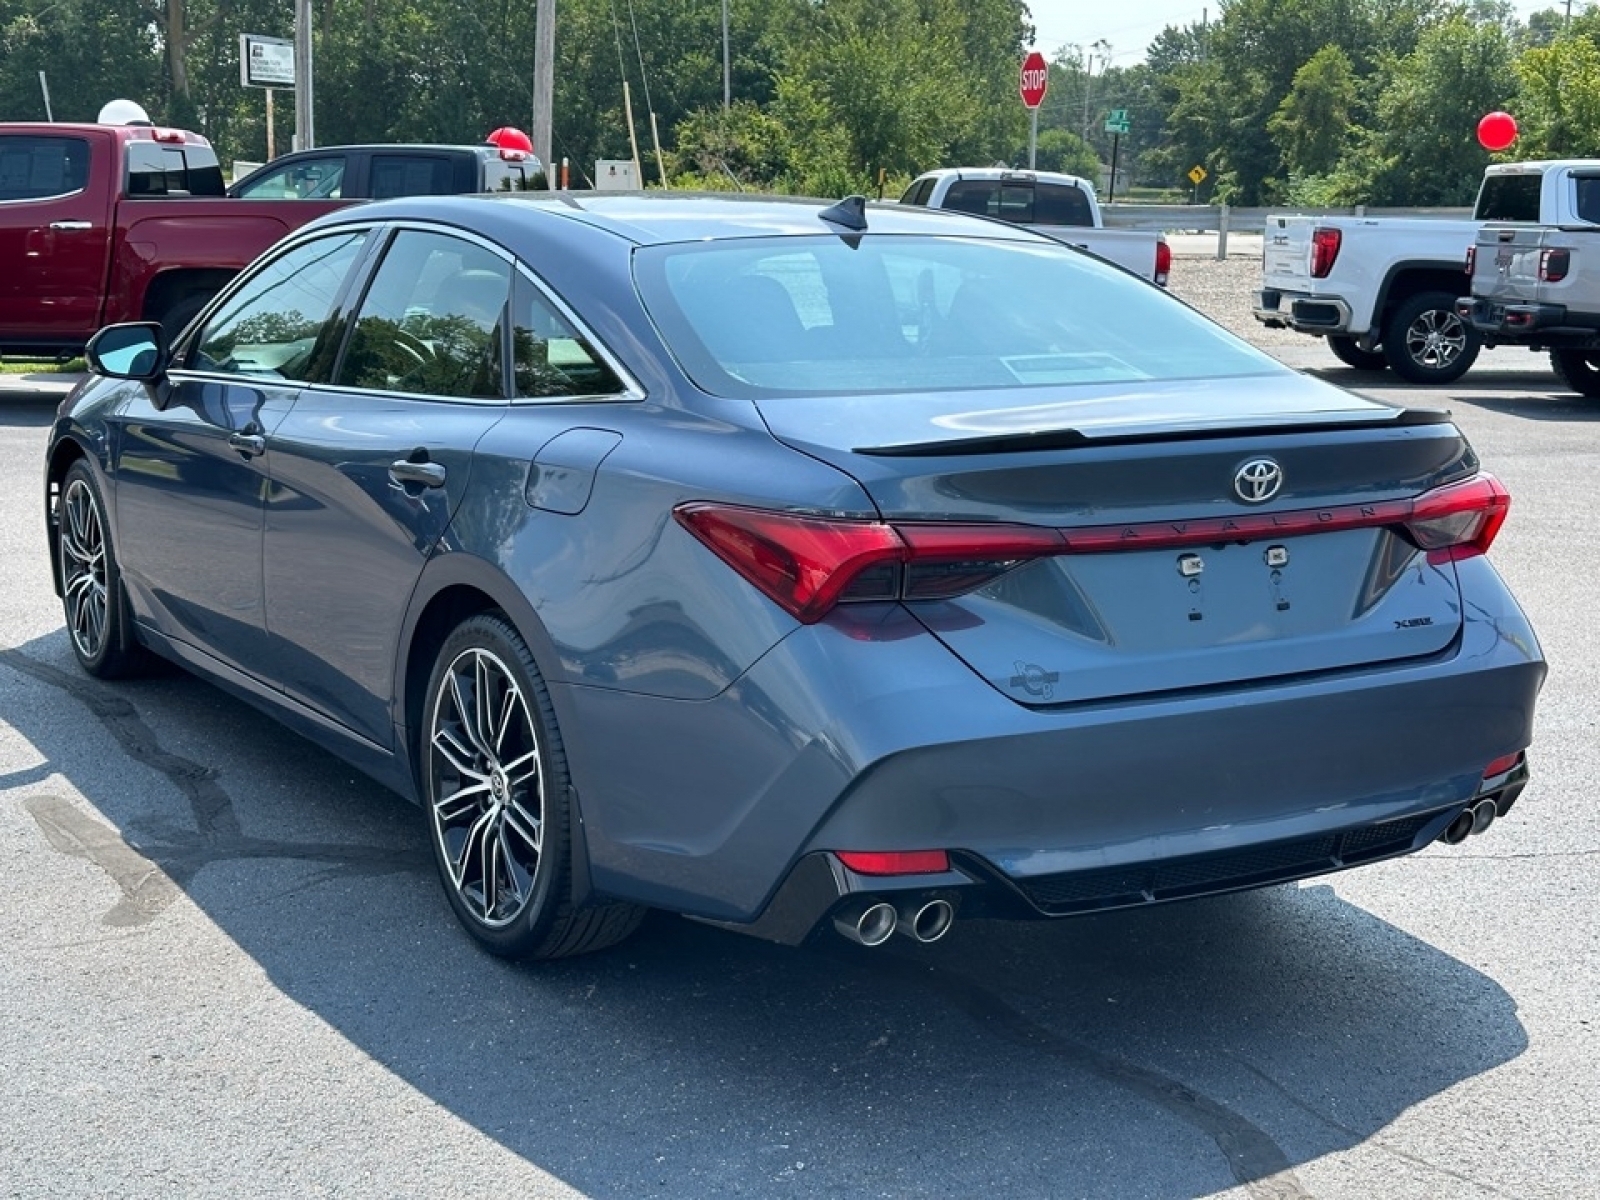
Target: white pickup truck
[(1535, 267), (1384, 291), (1059, 206)]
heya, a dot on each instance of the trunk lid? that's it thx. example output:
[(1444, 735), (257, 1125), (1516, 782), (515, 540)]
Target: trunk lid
[(1248, 602)]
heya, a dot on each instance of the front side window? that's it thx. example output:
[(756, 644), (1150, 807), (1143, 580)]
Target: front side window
[(919, 192), (550, 357), (38, 168), (306, 179), (804, 316), (277, 325), (431, 320)]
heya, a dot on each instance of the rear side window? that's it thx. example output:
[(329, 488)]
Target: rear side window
[(1509, 198), (1588, 199), (1060, 204), (430, 322), (36, 168), (304, 179), (156, 169), (411, 175), (550, 356)]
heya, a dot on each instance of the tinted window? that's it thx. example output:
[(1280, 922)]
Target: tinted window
[(1509, 198), (1588, 199), (500, 175), (411, 175), (33, 168), (156, 169), (1061, 204), (306, 179), (918, 192), (812, 315), (550, 356), (980, 196), (431, 319), (277, 325)]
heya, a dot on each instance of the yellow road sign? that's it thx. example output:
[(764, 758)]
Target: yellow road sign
[(1197, 175)]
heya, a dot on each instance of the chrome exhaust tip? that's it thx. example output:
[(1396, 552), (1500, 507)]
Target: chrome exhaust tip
[(1459, 829), (925, 921), (1483, 814), (867, 924)]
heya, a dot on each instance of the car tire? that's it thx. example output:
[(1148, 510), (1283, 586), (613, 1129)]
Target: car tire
[(1350, 354), (495, 793), (1578, 369), (99, 624), (1426, 341)]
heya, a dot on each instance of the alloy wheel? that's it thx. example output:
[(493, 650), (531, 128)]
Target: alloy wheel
[(486, 792), (1436, 338), (83, 569)]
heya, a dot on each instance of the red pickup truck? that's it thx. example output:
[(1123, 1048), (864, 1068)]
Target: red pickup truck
[(105, 223)]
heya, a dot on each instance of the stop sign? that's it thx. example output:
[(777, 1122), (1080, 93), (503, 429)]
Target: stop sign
[(1035, 79)]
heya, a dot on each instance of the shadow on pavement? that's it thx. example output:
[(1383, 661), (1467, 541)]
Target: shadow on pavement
[(1168, 1053)]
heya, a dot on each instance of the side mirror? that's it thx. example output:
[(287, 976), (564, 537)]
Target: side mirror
[(137, 350)]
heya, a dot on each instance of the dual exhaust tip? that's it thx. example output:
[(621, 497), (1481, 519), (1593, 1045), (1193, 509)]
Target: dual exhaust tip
[(874, 922), (1475, 818)]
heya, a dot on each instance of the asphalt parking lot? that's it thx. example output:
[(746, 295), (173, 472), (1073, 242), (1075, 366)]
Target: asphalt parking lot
[(228, 970)]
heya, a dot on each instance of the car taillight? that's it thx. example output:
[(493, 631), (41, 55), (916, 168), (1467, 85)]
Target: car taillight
[(807, 564), (1324, 249), (1554, 265), (1459, 520), (1472, 259), (1163, 262)]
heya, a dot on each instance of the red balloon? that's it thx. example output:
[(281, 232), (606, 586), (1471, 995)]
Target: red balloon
[(508, 137), (1497, 130)]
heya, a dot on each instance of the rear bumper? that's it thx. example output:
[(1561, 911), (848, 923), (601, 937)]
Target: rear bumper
[(874, 737), (1537, 325), (1303, 313)]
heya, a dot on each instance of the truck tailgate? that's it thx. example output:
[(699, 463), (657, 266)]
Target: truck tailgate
[(1506, 264), (1286, 253)]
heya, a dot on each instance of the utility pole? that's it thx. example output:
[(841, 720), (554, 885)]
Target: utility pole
[(1088, 78), (727, 75), (544, 74), (305, 133)]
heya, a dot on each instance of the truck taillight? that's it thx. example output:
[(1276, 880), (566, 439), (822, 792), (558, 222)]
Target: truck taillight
[(1554, 265), (1472, 260), (1163, 262), (1324, 250)]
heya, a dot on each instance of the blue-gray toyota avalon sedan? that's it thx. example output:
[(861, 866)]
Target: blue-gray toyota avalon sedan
[(796, 567)]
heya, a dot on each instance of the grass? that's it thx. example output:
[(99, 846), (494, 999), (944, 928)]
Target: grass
[(18, 366)]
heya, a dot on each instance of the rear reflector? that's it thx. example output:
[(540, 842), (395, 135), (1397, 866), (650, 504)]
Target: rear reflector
[(894, 862), (808, 564), (1502, 764)]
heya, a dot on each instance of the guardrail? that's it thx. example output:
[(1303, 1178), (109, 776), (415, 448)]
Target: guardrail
[(1223, 219)]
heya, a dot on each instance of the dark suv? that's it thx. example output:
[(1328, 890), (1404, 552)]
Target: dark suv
[(383, 172)]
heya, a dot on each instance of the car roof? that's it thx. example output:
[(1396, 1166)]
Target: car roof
[(986, 173), (659, 218)]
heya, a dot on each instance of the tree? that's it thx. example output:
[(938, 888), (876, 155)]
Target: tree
[(1558, 98), (1312, 125)]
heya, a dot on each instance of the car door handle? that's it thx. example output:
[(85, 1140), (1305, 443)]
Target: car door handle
[(427, 474), (71, 226), (248, 444)]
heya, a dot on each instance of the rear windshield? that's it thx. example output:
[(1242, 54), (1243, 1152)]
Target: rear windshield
[(828, 316), (1509, 198), (157, 169)]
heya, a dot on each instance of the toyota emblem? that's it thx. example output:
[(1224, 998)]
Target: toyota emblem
[(1258, 480)]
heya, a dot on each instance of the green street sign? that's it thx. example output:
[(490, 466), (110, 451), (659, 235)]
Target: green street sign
[(1117, 121)]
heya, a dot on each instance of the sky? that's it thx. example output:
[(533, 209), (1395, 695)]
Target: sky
[(1131, 25)]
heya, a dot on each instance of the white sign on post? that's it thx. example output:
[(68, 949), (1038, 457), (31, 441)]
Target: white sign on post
[(265, 62), (615, 175)]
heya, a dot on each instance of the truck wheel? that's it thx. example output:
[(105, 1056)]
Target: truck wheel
[(1352, 355), (1426, 342), (1578, 369), (176, 316)]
